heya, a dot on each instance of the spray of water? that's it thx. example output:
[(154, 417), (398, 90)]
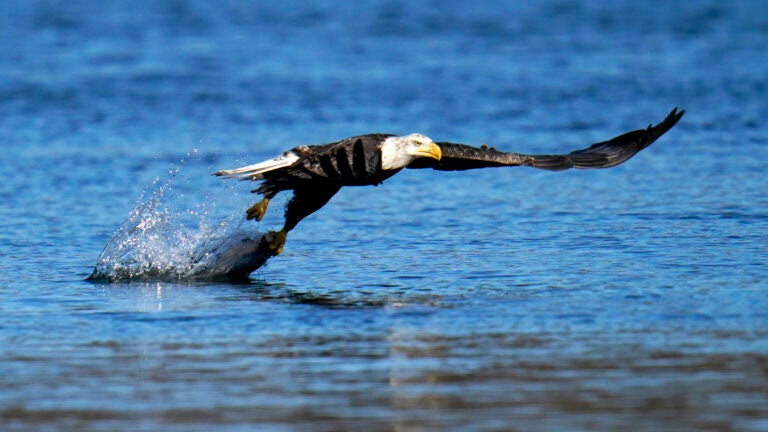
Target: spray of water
[(164, 238)]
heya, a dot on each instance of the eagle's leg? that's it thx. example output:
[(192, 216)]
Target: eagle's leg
[(257, 210), (305, 201)]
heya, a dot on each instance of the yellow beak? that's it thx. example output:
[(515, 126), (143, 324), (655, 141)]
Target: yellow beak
[(430, 151)]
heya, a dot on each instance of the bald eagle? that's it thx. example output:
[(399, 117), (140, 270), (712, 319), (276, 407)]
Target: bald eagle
[(315, 173)]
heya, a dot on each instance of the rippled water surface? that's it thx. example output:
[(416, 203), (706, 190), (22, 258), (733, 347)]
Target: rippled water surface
[(632, 298)]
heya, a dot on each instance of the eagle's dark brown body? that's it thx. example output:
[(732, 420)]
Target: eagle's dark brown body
[(353, 161)]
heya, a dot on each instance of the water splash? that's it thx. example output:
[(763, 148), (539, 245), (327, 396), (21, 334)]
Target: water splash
[(164, 239)]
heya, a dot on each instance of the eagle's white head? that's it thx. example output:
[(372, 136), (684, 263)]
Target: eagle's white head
[(398, 151)]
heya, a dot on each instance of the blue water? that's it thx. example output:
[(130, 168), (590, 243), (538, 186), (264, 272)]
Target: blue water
[(632, 298)]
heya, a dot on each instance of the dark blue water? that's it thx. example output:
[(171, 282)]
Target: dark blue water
[(632, 298)]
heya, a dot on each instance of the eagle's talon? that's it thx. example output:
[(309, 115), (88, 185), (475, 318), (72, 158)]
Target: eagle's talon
[(274, 242), (257, 210)]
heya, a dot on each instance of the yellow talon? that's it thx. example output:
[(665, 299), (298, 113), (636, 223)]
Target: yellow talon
[(257, 210), (274, 242)]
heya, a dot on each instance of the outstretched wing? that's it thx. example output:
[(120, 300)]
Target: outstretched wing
[(457, 157)]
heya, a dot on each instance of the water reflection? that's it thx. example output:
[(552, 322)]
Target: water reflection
[(273, 353)]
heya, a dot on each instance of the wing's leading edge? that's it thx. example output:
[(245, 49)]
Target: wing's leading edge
[(457, 157)]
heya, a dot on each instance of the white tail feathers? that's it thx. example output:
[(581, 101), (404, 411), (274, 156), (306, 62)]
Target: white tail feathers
[(254, 172)]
